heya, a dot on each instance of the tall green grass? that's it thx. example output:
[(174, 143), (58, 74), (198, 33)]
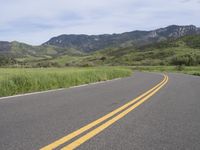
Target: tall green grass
[(17, 81)]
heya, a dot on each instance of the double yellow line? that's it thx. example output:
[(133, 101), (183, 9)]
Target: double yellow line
[(114, 116)]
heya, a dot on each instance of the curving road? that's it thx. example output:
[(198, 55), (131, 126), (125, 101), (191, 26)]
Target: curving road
[(166, 117)]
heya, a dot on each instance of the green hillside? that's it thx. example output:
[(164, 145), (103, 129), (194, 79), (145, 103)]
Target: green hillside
[(16, 53), (183, 51)]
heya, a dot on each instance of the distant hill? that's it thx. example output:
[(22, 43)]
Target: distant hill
[(182, 51), (90, 43), (163, 46), (24, 51)]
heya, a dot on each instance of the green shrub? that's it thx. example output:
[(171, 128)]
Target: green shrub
[(180, 67), (187, 59), (192, 41)]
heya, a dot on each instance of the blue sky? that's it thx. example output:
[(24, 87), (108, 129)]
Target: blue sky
[(35, 21)]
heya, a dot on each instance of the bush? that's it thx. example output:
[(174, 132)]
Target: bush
[(6, 61), (192, 41), (187, 59), (89, 64), (47, 64), (180, 67)]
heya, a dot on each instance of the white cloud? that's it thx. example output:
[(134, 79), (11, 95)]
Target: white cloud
[(37, 21)]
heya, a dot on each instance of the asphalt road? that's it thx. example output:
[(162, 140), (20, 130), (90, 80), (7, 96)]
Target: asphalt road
[(170, 119)]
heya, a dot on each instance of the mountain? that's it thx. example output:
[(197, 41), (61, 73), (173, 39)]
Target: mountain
[(181, 51), (154, 47), (90, 43)]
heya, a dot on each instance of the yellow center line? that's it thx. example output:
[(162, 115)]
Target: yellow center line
[(99, 129), (98, 121)]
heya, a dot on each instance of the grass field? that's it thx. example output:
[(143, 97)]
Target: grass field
[(193, 70), (17, 81)]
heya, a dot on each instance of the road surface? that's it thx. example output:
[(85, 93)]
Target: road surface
[(166, 117)]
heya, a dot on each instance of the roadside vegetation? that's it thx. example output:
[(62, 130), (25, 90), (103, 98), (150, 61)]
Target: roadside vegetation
[(193, 70), (16, 81)]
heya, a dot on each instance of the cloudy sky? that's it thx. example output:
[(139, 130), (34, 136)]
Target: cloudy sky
[(35, 21)]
